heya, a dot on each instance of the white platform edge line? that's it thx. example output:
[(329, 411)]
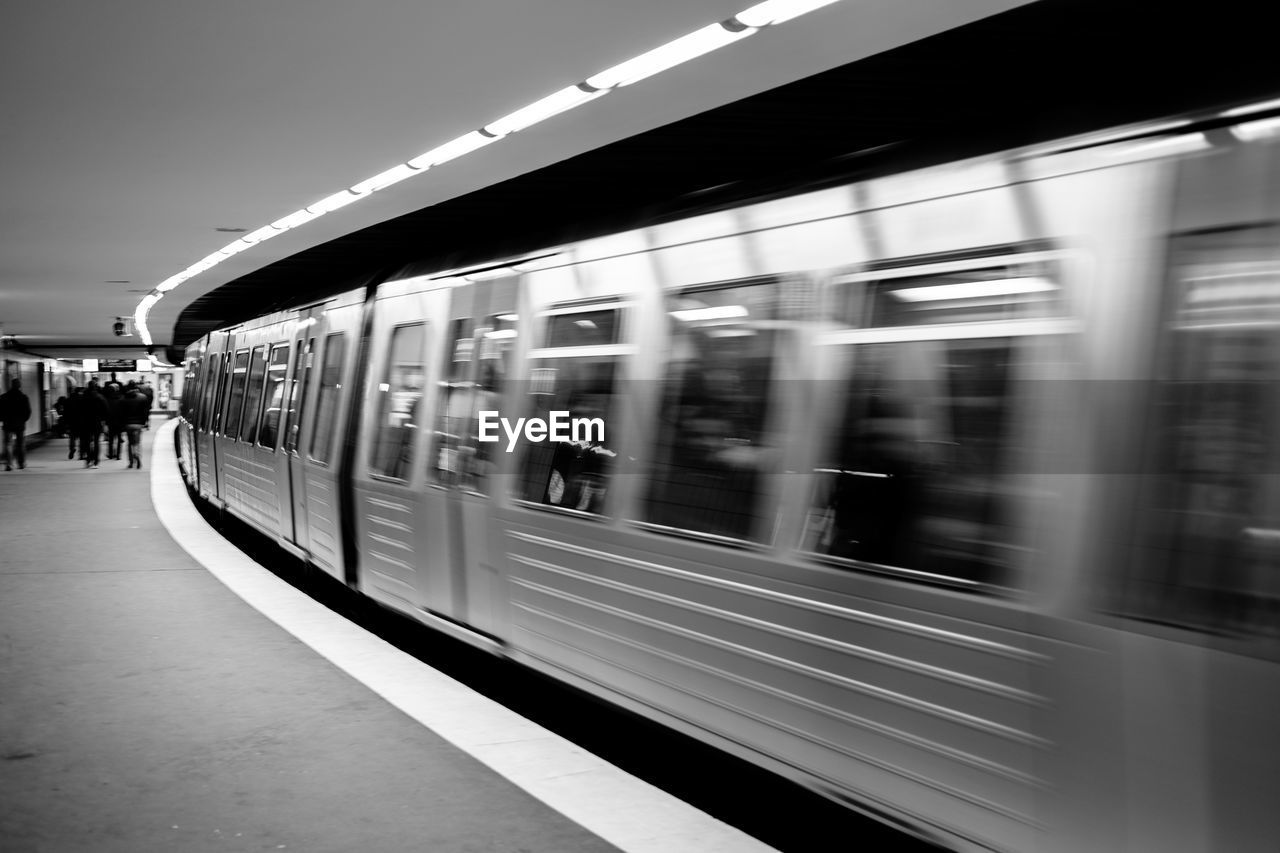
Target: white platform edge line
[(627, 812)]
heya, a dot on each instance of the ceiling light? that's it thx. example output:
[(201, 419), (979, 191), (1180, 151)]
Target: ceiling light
[(382, 180), (333, 202), (293, 220), (464, 144), (672, 53), (974, 289), (777, 11), (266, 232), (552, 105), (234, 248), (171, 282)]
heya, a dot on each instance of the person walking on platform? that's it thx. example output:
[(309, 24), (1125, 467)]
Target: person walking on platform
[(92, 415), (137, 411), (71, 417), (115, 419), (145, 387), (15, 411)]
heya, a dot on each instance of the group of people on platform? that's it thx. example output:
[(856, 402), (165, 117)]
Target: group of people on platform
[(113, 410)]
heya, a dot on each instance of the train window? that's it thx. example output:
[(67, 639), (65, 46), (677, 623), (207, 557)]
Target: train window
[(220, 393), (576, 376), (190, 391), (1211, 540), (915, 472), (235, 401), (297, 395), (274, 396), (253, 395), (457, 412), (460, 459), (399, 404), (330, 391), (210, 385), (712, 451)]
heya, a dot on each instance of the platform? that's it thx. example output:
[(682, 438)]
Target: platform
[(166, 696)]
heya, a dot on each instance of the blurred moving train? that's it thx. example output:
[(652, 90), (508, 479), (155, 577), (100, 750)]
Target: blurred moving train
[(948, 494)]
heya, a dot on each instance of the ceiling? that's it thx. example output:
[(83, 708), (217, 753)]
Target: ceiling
[(133, 131)]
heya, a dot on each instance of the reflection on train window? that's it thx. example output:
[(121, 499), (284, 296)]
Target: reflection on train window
[(399, 403), (712, 454), (1212, 512), (914, 475), (235, 402), (253, 395), (322, 437), (573, 474), (461, 459), (190, 389), (276, 374), (297, 395), (206, 393)]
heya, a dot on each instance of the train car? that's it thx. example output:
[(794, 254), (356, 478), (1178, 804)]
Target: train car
[(944, 493)]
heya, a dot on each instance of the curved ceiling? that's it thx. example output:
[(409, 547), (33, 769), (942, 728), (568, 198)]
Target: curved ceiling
[(137, 134)]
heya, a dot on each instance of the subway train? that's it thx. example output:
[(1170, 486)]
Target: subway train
[(944, 493)]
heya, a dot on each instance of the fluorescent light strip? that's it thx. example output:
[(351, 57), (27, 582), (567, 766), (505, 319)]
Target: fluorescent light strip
[(1252, 108), (778, 11), (552, 105), (669, 55), (974, 289)]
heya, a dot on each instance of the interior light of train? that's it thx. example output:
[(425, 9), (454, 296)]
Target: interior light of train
[(973, 289), (778, 11), (384, 386), (731, 333), (143, 365), (452, 149), (394, 175), (552, 105), (683, 49), (89, 365), (508, 318), (500, 334), (333, 202), (717, 312), (1261, 129), (1253, 108), (1183, 144)]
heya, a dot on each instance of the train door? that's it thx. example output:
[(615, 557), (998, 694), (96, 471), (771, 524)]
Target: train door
[(398, 543), (477, 344), (323, 423), (294, 528)]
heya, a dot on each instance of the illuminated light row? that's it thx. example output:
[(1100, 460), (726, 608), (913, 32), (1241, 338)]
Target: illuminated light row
[(669, 55)]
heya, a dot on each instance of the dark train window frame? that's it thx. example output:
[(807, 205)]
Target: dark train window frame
[(1057, 323), (762, 535), (375, 444), (330, 339), (248, 433), (266, 397), (621, 349), (235, 408)]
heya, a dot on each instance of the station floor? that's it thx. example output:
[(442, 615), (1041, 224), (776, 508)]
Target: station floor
[(160, 691)]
